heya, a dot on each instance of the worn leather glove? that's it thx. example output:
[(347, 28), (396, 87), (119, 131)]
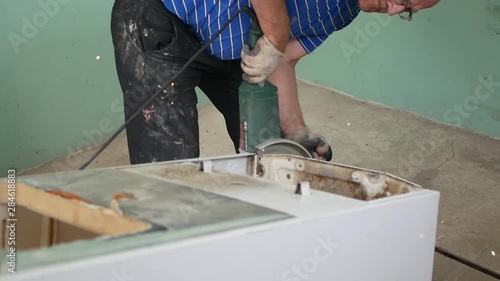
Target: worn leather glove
[(314, 143), (260, 62)]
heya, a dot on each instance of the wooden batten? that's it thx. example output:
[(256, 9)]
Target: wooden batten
[(81, 214)]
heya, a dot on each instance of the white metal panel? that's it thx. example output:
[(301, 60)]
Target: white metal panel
[(388, 241)]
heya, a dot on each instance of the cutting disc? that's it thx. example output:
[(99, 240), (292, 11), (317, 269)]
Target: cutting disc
[(282, 146)]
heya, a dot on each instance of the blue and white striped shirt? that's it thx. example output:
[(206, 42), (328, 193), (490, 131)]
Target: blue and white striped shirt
[(311, 21)]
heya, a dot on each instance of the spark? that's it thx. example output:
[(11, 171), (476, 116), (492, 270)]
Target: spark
[(348, 124), (172, 84), (98, 57), (493, 253)]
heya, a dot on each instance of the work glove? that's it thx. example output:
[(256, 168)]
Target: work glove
[(314, 143), (260, 62)]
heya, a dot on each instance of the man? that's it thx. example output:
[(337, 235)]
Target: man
[(153, 39)]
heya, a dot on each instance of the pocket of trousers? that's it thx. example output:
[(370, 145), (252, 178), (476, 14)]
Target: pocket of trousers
[(157, 30)]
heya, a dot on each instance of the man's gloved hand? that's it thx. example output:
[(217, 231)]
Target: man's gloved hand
[(314, 143), (260, 62)]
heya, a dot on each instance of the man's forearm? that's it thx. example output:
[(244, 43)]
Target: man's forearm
[(274, 21), (284, 78), (290, 113), (292, 123)]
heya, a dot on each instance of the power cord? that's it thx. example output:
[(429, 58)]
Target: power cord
[(467, 262), (254, 19)]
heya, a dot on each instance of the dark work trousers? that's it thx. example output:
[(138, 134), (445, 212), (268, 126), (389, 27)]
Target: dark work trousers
[(151, 45)]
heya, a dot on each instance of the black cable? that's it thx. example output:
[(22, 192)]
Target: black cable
[(468, 263), (115, 134)]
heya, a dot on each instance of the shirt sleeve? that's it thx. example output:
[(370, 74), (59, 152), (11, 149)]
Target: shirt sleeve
[(310, 43)]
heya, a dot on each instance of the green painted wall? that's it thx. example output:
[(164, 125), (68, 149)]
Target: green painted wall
[(445, 64), (58, 98)]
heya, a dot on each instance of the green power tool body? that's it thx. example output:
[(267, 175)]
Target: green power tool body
[(260, 130), (259, 106)]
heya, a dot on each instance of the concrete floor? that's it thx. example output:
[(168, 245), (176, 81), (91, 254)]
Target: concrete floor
[(463, 166)]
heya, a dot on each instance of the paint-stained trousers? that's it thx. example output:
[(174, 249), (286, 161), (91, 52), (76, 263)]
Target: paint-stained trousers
[(151, 45)]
